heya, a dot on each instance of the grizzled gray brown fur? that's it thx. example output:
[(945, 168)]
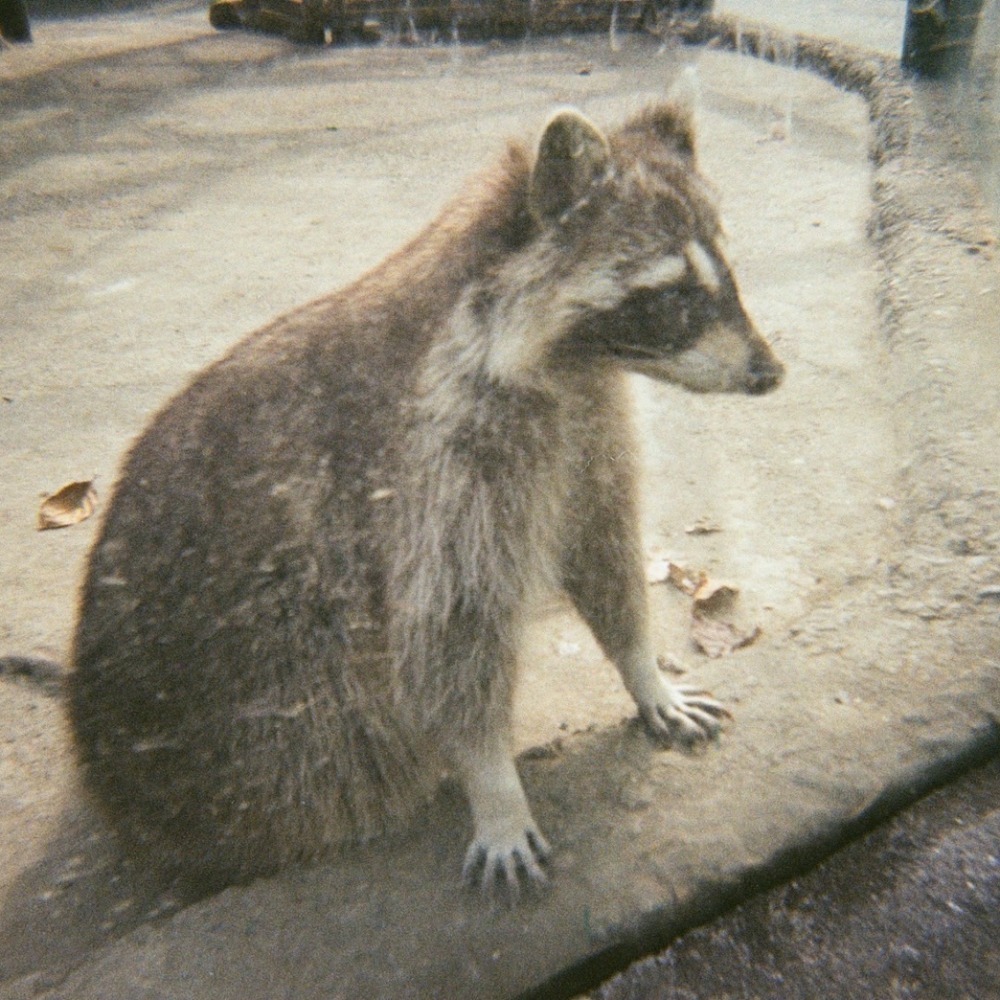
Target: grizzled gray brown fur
[(308, 593)]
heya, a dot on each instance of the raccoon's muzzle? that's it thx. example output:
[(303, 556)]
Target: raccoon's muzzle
[(763, 375)]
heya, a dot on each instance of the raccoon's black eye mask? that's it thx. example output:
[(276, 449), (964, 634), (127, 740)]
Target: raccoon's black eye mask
[(651, 322)]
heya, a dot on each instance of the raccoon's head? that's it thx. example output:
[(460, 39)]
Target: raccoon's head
[(634, 256)]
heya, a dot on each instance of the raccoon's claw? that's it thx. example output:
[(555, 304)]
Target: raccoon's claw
[(684, 713), (502, 869)]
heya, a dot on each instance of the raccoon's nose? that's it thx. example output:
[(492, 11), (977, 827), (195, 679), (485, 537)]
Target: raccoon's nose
[(765, 374)]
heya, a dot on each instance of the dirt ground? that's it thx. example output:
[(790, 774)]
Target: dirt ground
[(165, 189)]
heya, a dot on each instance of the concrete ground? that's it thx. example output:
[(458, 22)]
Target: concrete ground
[(165, 189), (908, 912)]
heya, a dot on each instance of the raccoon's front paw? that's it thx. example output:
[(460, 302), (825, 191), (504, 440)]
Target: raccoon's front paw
[(683, 713), (500, 862)]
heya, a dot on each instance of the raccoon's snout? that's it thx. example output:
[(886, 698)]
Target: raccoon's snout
[(764, 375)]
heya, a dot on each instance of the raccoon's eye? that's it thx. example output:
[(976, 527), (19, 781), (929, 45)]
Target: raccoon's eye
[(658, 309), (650, 322)]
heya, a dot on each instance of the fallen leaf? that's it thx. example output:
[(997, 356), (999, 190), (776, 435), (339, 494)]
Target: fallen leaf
[(713, 596), (718, 638), (709, 597), (685, 580), (703, 527), (70, 504)]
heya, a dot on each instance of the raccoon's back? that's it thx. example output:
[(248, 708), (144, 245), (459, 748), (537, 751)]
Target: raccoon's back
[(229, 698), (247, 504)]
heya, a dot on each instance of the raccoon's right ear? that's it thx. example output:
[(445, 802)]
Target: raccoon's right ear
[(672, 121), (573, 155)]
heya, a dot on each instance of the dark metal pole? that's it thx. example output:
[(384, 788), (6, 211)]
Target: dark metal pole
[(14, 26), (939, 36)]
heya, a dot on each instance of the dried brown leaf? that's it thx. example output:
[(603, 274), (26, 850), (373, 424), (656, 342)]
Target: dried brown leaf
[(685, 580), (719, 638), (69, 505), (703, 527), (713, 596)]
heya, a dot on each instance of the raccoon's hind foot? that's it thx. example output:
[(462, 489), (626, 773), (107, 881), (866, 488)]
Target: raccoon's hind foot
[(507, 850), (501, 866), (682, 713)]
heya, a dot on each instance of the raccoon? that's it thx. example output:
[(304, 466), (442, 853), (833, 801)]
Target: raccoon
[(308, 592)]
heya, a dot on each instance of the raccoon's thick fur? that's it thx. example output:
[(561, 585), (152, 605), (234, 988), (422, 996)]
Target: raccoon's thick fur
[(309, 589)]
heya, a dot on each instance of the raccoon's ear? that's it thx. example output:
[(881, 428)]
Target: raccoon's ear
[(573, 155), (683, 99), (672, 124)]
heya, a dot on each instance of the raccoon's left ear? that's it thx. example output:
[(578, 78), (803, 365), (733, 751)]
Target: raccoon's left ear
[(683, 100), (573, 155), (672, 124)]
